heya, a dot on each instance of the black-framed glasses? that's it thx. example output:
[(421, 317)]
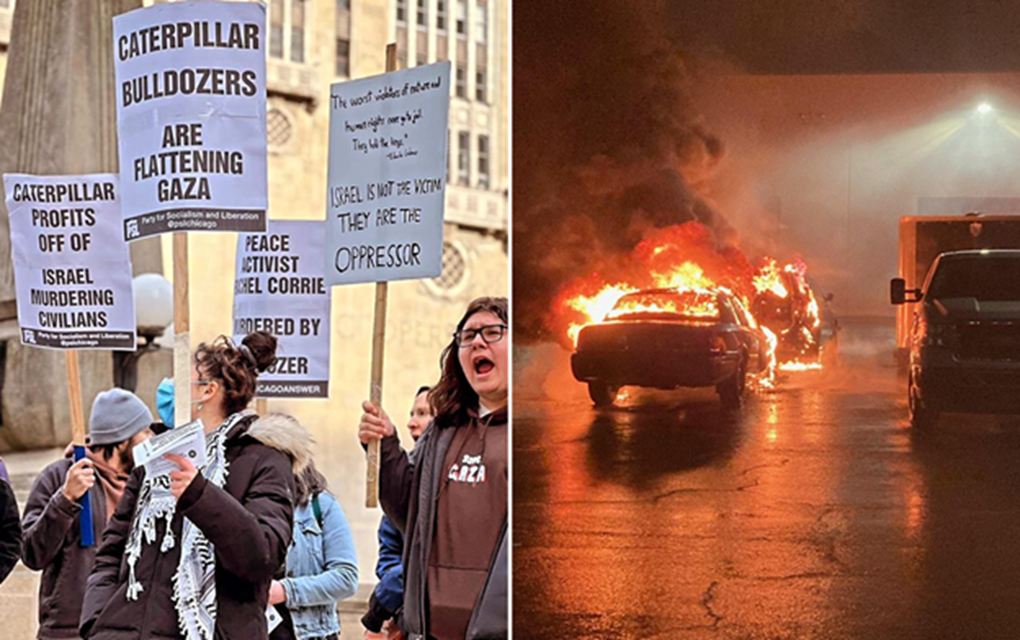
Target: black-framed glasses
[(490, 333)]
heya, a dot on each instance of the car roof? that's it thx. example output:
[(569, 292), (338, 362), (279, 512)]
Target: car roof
[(977, 253)]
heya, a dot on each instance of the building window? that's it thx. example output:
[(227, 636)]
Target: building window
[(287, 29), (276, 28), (481, 21), (462, 18), (401, 11), (480, 94), (423, 58), (421, 15), (454, 267), (461, 80), (441, 16), (278, 128), (343, 57), (483, 162), (464, 157), (297, 30)]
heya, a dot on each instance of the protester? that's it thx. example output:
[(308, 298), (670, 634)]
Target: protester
[(322, 567), (451, 502), (10, 530), (388, 596), (52, 531), (191, 554)]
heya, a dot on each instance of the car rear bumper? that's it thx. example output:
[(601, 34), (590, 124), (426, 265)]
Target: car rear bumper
[(661, 369)]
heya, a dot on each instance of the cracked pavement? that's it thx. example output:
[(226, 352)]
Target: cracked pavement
[(816, 513)]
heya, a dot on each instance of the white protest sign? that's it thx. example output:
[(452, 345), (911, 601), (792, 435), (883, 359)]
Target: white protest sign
[(387, 176), (279, 288), (72, 269), (187, 441), (191, 117)]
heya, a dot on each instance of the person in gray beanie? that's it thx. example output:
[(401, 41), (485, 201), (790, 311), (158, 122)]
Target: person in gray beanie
[(52, 538)]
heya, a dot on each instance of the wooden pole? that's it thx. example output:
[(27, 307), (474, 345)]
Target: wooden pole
[(378, 350), (78, 441), (182, 335)]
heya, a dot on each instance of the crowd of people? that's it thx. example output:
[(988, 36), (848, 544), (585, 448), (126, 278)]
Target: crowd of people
[(251, 544)]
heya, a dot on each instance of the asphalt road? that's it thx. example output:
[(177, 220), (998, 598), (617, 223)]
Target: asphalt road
[(816, 513)]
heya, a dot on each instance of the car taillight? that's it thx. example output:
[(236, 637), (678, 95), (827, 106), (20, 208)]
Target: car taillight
[(717, 344)]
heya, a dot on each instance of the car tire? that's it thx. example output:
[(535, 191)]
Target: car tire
[(602, 393), (731, 390), (921, 417)]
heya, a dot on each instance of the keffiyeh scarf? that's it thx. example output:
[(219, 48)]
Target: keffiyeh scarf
[(194, 591)]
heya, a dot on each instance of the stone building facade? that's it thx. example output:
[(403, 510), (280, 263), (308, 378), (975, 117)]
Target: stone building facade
[(314, 43)]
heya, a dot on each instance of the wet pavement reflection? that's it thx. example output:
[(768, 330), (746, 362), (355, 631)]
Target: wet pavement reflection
[(815, 513)]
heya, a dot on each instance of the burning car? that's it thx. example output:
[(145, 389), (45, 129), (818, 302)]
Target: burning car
[(786, 304), (669, 338)]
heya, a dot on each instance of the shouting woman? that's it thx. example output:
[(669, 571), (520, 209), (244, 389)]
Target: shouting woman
[(191, 555), (451, 502)]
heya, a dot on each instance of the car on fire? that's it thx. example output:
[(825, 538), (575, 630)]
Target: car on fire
[(965, 337), (669, 338), (802, 320)]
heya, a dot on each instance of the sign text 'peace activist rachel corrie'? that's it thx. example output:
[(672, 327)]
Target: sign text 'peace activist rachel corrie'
[(387, 176), (72, 270), (279, 288), (191, 117)]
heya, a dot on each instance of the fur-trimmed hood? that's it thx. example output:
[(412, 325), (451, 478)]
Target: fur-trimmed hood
[(284, 433)]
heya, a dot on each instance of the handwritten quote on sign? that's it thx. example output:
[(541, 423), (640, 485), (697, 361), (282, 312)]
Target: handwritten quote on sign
[(387, 176), (72, 269), (279, 288), (191, 117)]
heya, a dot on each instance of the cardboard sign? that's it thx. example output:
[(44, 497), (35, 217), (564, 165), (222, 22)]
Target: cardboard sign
[(387, 176), (187, 441), (279, 288), (191, 117), (72, 269)]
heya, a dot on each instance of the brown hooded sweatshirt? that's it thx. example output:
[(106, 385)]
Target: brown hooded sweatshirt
[(470, 517)]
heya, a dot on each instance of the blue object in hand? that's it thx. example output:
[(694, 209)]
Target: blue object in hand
[(88, 537)]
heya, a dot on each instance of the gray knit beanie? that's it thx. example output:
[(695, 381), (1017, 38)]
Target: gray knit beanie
[(117, 415)]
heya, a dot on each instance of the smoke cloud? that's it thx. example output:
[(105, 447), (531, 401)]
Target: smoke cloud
[(607, 145)]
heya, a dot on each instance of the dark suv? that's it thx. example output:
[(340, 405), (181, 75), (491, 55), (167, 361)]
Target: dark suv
[(965, 337)]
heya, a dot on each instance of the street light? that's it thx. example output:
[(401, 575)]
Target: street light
[(154, 311), (984, 108)]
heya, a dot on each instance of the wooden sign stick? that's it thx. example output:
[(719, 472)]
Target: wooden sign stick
[(78, 441), (378, 350), (182, 335)]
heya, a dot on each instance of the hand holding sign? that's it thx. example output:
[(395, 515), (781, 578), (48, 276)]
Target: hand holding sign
[(80, 478), (375, 424), (181, 480)]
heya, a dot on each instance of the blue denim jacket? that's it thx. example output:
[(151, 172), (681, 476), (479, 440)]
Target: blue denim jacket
[(322, 568)]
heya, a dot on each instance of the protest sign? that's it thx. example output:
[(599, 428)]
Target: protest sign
[(191, 117), (187, 442), (279, 288), (72, 269), (387, 176)]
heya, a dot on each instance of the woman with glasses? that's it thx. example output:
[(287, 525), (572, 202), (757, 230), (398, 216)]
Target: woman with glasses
[(451, 502), (191, 553)]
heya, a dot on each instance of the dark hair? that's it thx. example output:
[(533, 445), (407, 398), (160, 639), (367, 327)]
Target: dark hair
[(237, 366), (308, 483), (106, 450), (422, 389), (453, 397)]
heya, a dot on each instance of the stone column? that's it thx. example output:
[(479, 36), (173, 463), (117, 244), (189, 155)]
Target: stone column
[(58, 116)]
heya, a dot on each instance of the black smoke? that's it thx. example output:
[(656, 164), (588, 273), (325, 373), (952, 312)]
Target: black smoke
[(607, 143)]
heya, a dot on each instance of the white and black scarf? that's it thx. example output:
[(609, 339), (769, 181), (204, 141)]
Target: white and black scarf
[(194, 591)]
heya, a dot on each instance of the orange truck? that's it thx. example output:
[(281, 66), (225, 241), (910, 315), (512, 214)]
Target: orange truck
[(922, 239)]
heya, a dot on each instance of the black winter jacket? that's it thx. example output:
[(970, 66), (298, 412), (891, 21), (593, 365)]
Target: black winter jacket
[(249, 522), (10, 530)]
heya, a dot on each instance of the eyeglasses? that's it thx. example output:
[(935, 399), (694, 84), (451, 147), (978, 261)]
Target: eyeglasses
[(201, 383), (490, 333)]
